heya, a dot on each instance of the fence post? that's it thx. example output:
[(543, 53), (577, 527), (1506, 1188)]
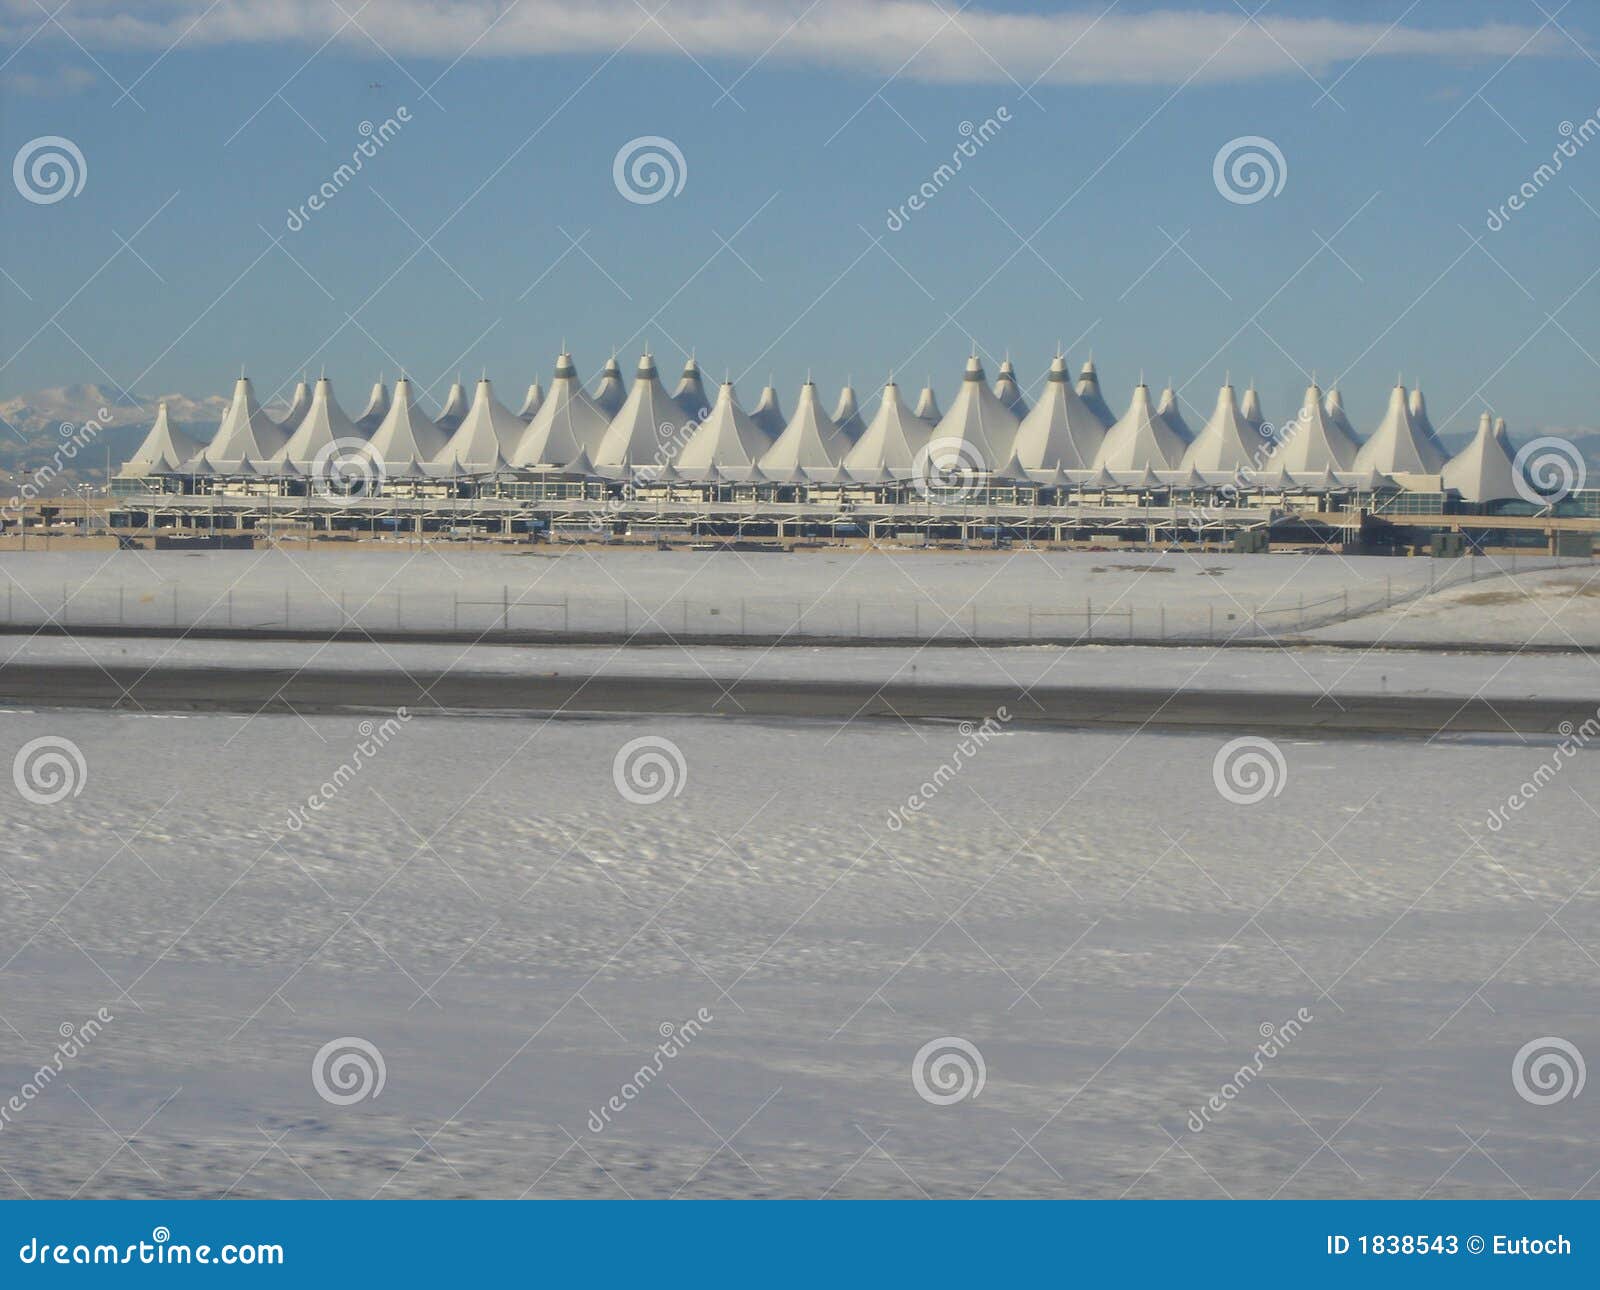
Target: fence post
[(799, 618), (63, 604), (1163, 622), (1088, 617), (230, 606), (121, 592), (1388, 590), (858, 619), (1030, 622), (399, 609), (174, 604), (505, 607), (741, 616), (455, 610), (566, 612)]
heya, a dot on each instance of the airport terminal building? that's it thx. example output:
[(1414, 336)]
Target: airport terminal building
[(640, 463)]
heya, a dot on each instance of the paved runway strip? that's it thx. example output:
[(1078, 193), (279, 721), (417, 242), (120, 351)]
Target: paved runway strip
[(244, 689)]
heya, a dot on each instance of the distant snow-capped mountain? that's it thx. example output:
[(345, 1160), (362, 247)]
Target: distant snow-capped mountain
[(51, 408), (35, 425)]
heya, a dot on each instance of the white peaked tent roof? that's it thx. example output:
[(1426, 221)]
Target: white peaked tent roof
[(299, 405), (810, 443), (1172, 414), (164, 449), (377, 409), (873, 474), (648, 430), (889, 446), (1333, 405), (486, 437), (847, 414), (1250, 407), (1368, 481), (979, 421), (323, 423), (1141, 440), (1419, 414), (610, 394), (1100, 478), (1227, 441), (691, 392), (1398, 445), (532, 403), (727, 444), (407, 436), (928, 406), (768, 414), (792, 476), (1314, 440), (567, 423), (246, 431), (1060, 432), (1484, 470), (1274, 477), (1089, 392), (1009, 392), (455, 409), (1012, 472), (237, 469)]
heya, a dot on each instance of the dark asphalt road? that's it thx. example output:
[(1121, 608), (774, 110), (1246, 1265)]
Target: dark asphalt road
[(249, 690)]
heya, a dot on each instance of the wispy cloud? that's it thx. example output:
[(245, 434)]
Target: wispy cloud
[(48, 85), (918, 39)]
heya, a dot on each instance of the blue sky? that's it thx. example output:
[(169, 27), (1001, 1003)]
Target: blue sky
[(510, 154)]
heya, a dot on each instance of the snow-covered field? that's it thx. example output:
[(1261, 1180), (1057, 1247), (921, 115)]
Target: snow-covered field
[(483, 905), (1558, 609), (1016, 595)]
